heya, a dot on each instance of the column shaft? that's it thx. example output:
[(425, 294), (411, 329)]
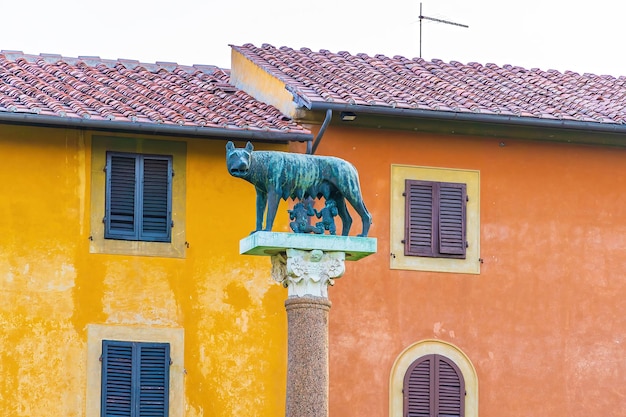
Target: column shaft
[(307, 365)]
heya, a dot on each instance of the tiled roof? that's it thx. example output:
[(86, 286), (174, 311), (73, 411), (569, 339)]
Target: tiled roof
[(125, 91), (402, 83)]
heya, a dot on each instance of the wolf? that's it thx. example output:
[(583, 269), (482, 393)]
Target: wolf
[(277, 175)]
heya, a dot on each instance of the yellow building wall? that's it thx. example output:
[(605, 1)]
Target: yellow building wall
[(260, 84), (52, 288)]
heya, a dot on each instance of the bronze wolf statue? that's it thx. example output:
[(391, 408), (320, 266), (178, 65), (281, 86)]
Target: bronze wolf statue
[(277, 175)]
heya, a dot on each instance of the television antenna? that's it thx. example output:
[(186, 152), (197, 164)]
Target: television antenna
[(447, 22)]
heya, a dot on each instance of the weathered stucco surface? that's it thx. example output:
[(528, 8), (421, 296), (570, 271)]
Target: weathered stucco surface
[(52, 287), (543, 323)]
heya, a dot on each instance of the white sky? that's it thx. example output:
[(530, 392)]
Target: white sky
[(548, 34)]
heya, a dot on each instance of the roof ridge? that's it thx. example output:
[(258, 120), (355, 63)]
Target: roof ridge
[(94, 60), (249, 47)]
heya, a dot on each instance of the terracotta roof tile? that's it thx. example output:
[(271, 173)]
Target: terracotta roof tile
[(399, 82), (129, 91)]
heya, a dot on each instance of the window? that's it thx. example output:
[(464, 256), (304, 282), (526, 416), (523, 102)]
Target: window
[(435, 219), (135, 379), (433, 387), (108, 350), (138, 197), (433, 378)]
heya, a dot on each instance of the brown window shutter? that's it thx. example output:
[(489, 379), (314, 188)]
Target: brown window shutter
[(435, 217), (450, 395), (452, 207), (418, 391), (419, 218), (434, 387)]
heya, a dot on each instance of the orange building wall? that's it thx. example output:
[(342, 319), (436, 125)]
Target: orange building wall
[(544, 323)]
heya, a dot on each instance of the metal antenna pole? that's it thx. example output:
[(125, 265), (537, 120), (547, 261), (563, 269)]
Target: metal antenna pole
[(421, 17), (447, 22)]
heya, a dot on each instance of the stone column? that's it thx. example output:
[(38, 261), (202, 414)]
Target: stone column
[(307, 274), (307, 264)]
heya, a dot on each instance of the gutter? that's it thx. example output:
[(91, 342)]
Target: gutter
[(472, 117), (152, 128)]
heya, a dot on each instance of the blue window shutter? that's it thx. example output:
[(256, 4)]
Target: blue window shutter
[(156, 199), (117, 384), (138, 197), (135, 379), (121, 196), (154, 377)]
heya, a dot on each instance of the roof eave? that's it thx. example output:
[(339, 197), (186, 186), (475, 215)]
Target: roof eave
[(495, 125), (153, 128)]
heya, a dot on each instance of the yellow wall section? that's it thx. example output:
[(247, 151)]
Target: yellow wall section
[(260, 84), (52, 288)]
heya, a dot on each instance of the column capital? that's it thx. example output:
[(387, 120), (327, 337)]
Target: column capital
[(308, 272)]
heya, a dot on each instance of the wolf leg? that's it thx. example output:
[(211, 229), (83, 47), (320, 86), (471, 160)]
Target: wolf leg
[(356, 201), (366, 217), (261, 202), (272, 206), (342, 211)]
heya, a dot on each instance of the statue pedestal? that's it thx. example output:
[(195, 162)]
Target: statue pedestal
[(307, 265)]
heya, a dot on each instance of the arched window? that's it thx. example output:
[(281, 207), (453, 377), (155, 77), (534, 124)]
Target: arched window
[(433, 387), (433, 378)]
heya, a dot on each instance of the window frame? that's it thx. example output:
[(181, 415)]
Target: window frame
[(174, 336), (398, 260), (427, 347), (138, 232), (177, 149), (131, 373)]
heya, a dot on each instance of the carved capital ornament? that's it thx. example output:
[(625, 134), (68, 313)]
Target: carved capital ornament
[(308, 272)]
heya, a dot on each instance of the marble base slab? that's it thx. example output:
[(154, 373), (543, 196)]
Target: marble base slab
[(274, 243)]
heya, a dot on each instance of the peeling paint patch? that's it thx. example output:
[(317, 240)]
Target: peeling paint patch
[(242, 321), (50, 273), (64, 278), (440, 331), (138, 293), (437, 328)]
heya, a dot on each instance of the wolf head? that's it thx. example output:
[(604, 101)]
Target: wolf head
[(238, 159)]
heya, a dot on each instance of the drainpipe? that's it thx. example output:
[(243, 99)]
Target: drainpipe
[(312, 147)]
